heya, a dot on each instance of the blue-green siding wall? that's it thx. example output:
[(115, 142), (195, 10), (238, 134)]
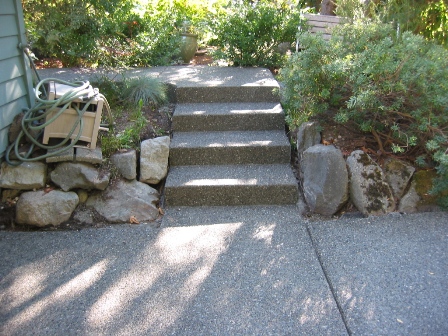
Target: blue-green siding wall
[(15, 74)]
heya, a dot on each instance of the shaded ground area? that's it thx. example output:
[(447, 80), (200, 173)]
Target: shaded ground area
[(228, 271)]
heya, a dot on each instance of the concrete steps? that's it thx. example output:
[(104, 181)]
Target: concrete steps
[(236, 147), (229, 146), (228, 117), (231, 185)]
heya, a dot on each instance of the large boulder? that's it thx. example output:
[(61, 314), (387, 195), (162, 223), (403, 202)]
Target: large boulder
[(369, 190), (126, 163), (398, 175), (423, 184), (308, 135), (410, 200), (26, 176), (154, 159), (124, 199), (325, 179), (72, 175), (40, 208)]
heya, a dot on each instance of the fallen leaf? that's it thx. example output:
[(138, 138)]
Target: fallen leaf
[(161, 212), (134, 220), (48, 189)]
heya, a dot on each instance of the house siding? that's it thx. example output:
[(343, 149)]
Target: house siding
[(15, 74)]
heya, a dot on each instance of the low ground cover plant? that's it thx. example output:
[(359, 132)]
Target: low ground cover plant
[(374, 78), (135, 106)]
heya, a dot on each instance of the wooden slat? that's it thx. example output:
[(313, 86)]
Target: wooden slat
[(8, 25), (322, 24), (319, 30), (7, 7), (12, 90), (9, 47), (23, 42), (10, 68), (10, 110), (324, 18)]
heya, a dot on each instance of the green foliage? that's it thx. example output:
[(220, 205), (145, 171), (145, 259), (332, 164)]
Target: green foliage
[(129, 94), (127, 33), (147, 90), (110, 88), (71, 29), (427, 18), (248, 34), (132, 91), (129, 137), (394, 86), (112, 33)]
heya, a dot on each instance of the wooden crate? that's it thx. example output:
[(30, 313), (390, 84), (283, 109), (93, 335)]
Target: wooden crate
[(61, 126)]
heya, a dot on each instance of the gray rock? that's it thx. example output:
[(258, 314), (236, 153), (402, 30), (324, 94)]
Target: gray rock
[(398, 174), (71, 175), (369, 190), (410, 201), (325, 179), (85, 215), (154, 159), (126, 163), (26, 176), (68, 155), (308, 135), (41, 209), (93, 156), (124, 199)]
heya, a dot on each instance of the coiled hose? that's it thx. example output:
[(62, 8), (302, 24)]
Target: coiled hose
[(34, 119)]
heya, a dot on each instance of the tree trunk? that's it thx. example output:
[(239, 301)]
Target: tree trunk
[(327, 7)]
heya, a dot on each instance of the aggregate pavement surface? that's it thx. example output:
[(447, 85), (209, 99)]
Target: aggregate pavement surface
[(255, 270)]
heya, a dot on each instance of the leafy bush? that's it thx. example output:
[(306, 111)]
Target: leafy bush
[(248, 34), (72, 30), (371, 78), (427, 18), (110, 33)]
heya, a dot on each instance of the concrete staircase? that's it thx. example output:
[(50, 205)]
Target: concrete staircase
[(229, 146)]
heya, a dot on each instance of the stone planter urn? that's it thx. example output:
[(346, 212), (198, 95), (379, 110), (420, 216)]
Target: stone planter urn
[(188, 46)]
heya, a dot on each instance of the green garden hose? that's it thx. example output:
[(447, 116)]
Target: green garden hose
[(34, 119)]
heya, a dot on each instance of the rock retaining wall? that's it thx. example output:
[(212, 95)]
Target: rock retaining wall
[(329, 181), (48, 193)]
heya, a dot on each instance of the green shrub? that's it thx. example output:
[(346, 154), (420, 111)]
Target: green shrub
[(369, 77), (427, 18), (248, 34), (128, 137), (147, 90), (73, 30)]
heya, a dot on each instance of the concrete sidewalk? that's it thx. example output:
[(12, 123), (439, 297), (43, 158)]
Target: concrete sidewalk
[(230, 271), (181, 76)]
